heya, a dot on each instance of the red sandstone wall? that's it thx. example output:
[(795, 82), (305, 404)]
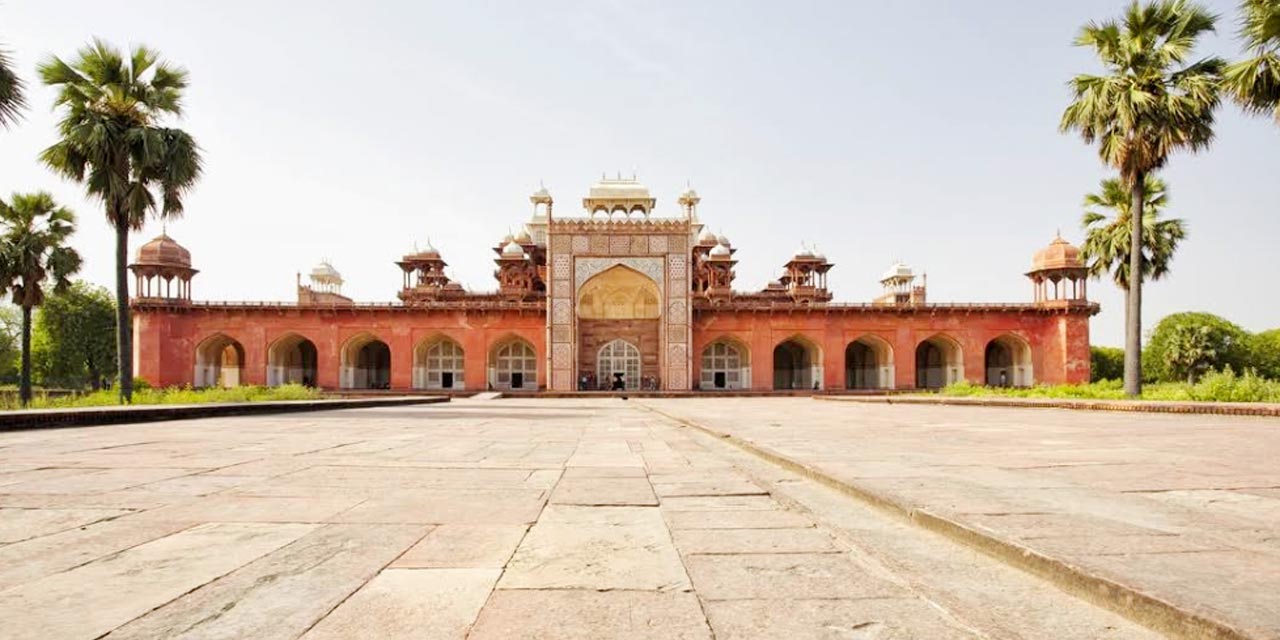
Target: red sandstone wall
[(167, 341), (1059, 343)]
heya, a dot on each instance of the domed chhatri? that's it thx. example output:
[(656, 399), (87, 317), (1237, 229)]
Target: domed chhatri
[(162, 271), (1059, 274), (1060, 254), (512, 250), (163, 251), (721, 250), (707, 238), (324, 273)]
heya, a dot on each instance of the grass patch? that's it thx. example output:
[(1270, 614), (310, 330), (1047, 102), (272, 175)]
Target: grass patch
[(172, 395), (1216, 386)]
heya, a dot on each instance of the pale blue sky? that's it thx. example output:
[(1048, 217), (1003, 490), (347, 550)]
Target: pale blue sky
[(925, 131)]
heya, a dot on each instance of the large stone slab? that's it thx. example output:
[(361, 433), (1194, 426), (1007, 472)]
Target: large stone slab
[(808, 540), (588, 615), (865, 619), (464, 546), (596, 548), (417, 604), (604, 492), (93, 599), (36, 558), (23, 524), (459, 506), (751, 519), (282, 594), (232, 508), (784, 576)]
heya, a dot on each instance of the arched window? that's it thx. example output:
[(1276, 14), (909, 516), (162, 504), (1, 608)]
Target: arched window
[(725, 366), (619, 357), (514, 365), (438, 365)]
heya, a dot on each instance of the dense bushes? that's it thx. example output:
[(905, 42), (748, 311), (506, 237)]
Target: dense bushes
[(1106, 363), (180, 395), (1185, 344), (1215, 386)]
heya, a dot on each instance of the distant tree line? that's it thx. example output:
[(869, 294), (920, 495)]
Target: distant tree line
[(1183, 347), (72, 343)]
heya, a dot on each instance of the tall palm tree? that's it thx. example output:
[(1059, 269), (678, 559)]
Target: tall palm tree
[(1108, 231), (34, 232), (1150, 103), (113, 140), (12, 99), (1255, 82)]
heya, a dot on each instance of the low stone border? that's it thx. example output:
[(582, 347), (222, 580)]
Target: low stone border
[(1142, 406), (1141, 607), (93, 416)]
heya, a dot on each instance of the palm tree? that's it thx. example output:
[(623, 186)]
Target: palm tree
[(1149, 104), (113, 141), (1255, 82), (33, 250), (1106, 245), (12, 99)]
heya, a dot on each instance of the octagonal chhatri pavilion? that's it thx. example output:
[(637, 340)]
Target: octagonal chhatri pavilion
[(613, 296)]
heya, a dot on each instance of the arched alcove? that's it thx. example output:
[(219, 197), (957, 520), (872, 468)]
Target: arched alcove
[(939, 362), (868, 364), (219, 362), (1007, 362), (726, 364), (291, 359), (438, 364), (513, 364), (797, 364), (366, 363)]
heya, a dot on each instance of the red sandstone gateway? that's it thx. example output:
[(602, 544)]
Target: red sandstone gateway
[(616, 297)]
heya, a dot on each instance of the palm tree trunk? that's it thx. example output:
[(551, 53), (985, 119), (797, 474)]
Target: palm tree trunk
[(24, 381), (1133, 315), (124, 331)]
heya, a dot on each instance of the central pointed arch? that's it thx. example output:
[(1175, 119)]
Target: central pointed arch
[(619, 357), (366, 363), (291, 359), (797, 364)]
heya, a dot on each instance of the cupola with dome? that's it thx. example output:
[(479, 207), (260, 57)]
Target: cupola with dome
[(162, 271), (1059, 275)]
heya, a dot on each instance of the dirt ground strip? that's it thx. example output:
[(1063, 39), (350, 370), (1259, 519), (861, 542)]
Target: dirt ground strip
[(520, 518)]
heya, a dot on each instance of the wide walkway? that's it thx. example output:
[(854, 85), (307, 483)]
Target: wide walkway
[(503, 519), (1182, 507)]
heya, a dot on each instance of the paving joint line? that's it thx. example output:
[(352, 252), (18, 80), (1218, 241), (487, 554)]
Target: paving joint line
[(1141, 607)]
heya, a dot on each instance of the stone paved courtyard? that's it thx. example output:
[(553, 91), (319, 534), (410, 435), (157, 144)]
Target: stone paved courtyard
[(601, 518)]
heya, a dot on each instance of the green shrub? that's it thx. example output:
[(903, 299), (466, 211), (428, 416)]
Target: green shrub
[(1264, 353), (1224, 344), (1215, 386), (1106, 363), (178, 395)]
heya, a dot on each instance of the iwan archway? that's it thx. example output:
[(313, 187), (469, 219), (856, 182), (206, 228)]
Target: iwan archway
[(618, 313)]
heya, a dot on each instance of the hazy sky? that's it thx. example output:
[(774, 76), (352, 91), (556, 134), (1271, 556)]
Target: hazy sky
[(925, 131)]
